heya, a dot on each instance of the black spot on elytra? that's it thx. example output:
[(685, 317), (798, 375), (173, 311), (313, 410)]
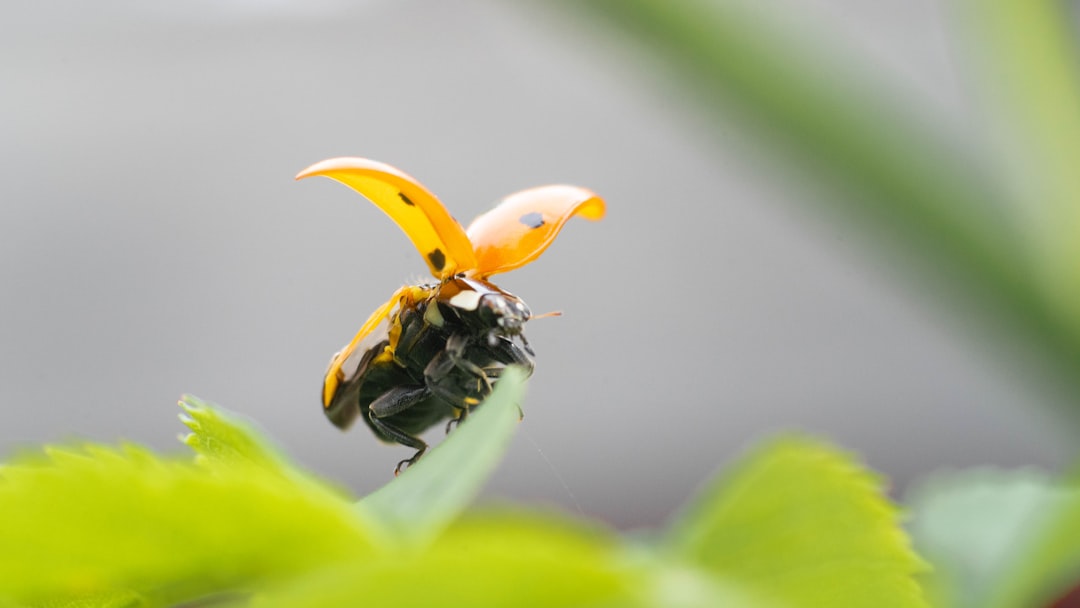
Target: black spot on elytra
[(532, 220), (438, 260), (405, 199)]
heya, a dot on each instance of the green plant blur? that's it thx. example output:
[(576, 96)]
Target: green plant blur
[(794, 523), (994, 212), (991, 215)]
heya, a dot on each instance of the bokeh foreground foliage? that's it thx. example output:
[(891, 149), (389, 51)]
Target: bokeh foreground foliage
[(794, 523), (986, 206)]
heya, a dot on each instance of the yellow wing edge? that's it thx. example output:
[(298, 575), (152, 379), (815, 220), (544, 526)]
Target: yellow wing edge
[(435, 233), (500, 244), (334, 375)]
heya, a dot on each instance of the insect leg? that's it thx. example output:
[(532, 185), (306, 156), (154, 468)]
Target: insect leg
[(455, 352), (457, 380), (394, 401), (397, 400), (448, 386), (507, 352)]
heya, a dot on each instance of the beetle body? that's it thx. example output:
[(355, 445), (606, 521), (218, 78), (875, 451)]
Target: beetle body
[(442, 349), (444, 344)]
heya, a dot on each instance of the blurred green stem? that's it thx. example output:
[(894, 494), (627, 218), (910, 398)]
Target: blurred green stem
[(944, 201), (1026, 57)]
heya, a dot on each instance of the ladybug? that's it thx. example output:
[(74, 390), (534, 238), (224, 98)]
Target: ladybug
[(434, 350)]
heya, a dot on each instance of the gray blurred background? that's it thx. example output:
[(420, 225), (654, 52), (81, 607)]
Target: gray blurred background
[(154, 243)]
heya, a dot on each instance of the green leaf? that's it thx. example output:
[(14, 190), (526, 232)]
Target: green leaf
[(80, 522), (805, 525), (1048, 565), (979, 527), (1025, 56), (489, 558), (831, 113), (673, 584), (419, 504), (114, 599), (817, 105), (221, 437)]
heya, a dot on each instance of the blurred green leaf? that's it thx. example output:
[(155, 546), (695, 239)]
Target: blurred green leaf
[(831, 113), (114, 599), (977, 527), (674, 584), (221, 437), (92, 520), (890, 161), (103, 527), (1048, 564), (419, 504), (806, 525), (488, 558), (1025, 56)]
